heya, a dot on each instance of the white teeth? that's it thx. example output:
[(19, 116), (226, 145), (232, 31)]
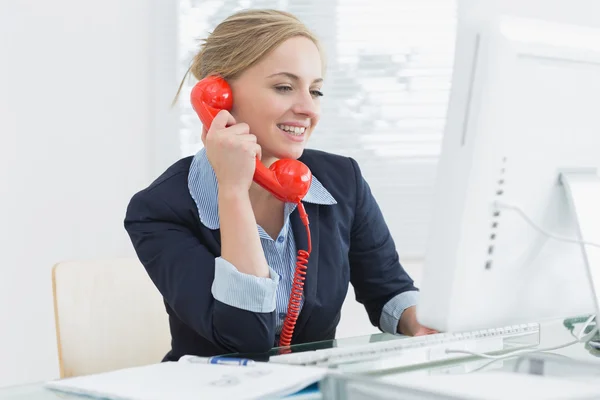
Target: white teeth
[(294, 130)]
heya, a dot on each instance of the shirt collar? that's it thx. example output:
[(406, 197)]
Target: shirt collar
[(202, 184)]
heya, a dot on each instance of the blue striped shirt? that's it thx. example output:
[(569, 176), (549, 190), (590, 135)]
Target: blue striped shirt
[(258, 294)]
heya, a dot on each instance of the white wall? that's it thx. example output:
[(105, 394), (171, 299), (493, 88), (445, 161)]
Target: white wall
[(84, 94), (583, 12)]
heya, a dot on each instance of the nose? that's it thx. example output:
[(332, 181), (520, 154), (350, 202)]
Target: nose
[(306, 105)]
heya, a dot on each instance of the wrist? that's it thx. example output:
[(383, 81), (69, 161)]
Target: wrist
[(408, 325), (232, 192), (234, 202)]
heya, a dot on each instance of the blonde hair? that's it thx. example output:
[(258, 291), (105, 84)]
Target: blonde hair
[(242, 40)]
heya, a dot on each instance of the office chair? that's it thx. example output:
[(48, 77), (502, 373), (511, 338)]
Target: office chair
[(108, 315)]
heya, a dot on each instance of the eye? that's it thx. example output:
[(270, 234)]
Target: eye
[(284, 89)]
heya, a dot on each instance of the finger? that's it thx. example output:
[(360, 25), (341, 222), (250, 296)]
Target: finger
[(248, 138), (239, 129), (222, 120), (258, 151), (253, 149)]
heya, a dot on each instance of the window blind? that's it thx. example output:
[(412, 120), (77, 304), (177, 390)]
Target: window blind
[(386, 92)]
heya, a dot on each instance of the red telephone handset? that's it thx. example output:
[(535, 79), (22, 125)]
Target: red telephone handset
[(288, 180)]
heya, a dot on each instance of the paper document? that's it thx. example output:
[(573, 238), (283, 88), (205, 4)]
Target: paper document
[(177, 380)]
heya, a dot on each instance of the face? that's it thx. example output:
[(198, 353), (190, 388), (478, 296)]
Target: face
[(279, 98)]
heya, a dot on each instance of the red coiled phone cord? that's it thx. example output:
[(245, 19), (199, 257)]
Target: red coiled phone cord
[(293, 310)]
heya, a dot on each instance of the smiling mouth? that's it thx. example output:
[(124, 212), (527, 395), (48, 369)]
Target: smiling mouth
[(292, 130)]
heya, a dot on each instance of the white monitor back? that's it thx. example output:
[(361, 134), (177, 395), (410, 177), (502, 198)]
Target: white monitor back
[(525, 105)]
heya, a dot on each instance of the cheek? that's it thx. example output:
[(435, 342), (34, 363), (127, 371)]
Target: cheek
[(266, 109), (314, 122), (250, 108), (316, 118)]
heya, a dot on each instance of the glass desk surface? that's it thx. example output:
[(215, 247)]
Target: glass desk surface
[(552, 333)]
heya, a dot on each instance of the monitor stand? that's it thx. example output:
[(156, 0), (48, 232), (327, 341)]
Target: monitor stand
[(583, 194)]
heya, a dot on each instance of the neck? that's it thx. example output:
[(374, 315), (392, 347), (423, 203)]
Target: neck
[(259, 195), (268, 161)]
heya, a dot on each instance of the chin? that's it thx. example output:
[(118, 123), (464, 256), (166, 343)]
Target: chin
[(288, 153)]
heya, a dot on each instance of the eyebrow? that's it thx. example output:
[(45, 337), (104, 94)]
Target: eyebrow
[(293, 77)]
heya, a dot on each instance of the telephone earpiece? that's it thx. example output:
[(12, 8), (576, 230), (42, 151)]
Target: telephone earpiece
[(287, 180)]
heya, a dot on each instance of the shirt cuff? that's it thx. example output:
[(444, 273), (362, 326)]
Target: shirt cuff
[(393, 309), (244, 291)]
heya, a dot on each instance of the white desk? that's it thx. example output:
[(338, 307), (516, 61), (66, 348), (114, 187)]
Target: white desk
[(551, 333)]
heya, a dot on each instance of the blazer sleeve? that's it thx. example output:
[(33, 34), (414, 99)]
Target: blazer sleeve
[(183, 270), (375, 270)]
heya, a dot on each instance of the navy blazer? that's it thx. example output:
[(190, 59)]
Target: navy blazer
[(350, 243)]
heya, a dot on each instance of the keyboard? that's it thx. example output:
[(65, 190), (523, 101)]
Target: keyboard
[(409, 351)]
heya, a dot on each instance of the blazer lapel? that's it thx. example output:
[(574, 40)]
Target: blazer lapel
[(310, 283)]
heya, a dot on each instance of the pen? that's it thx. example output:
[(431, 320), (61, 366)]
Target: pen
[(217, 360)]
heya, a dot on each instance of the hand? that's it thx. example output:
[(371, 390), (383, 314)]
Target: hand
[(423, 330), (408, 324), (232, 151)]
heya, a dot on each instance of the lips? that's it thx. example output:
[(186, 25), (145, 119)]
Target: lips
[(292, 135)]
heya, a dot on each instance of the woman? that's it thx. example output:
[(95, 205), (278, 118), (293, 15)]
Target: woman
[(222, 250)]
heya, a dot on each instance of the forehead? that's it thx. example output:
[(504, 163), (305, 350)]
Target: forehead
[(298, 56)]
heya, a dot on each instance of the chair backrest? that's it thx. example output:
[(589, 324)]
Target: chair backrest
[(109, 315)]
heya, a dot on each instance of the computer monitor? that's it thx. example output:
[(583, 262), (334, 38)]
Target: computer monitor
[(523, 121)]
